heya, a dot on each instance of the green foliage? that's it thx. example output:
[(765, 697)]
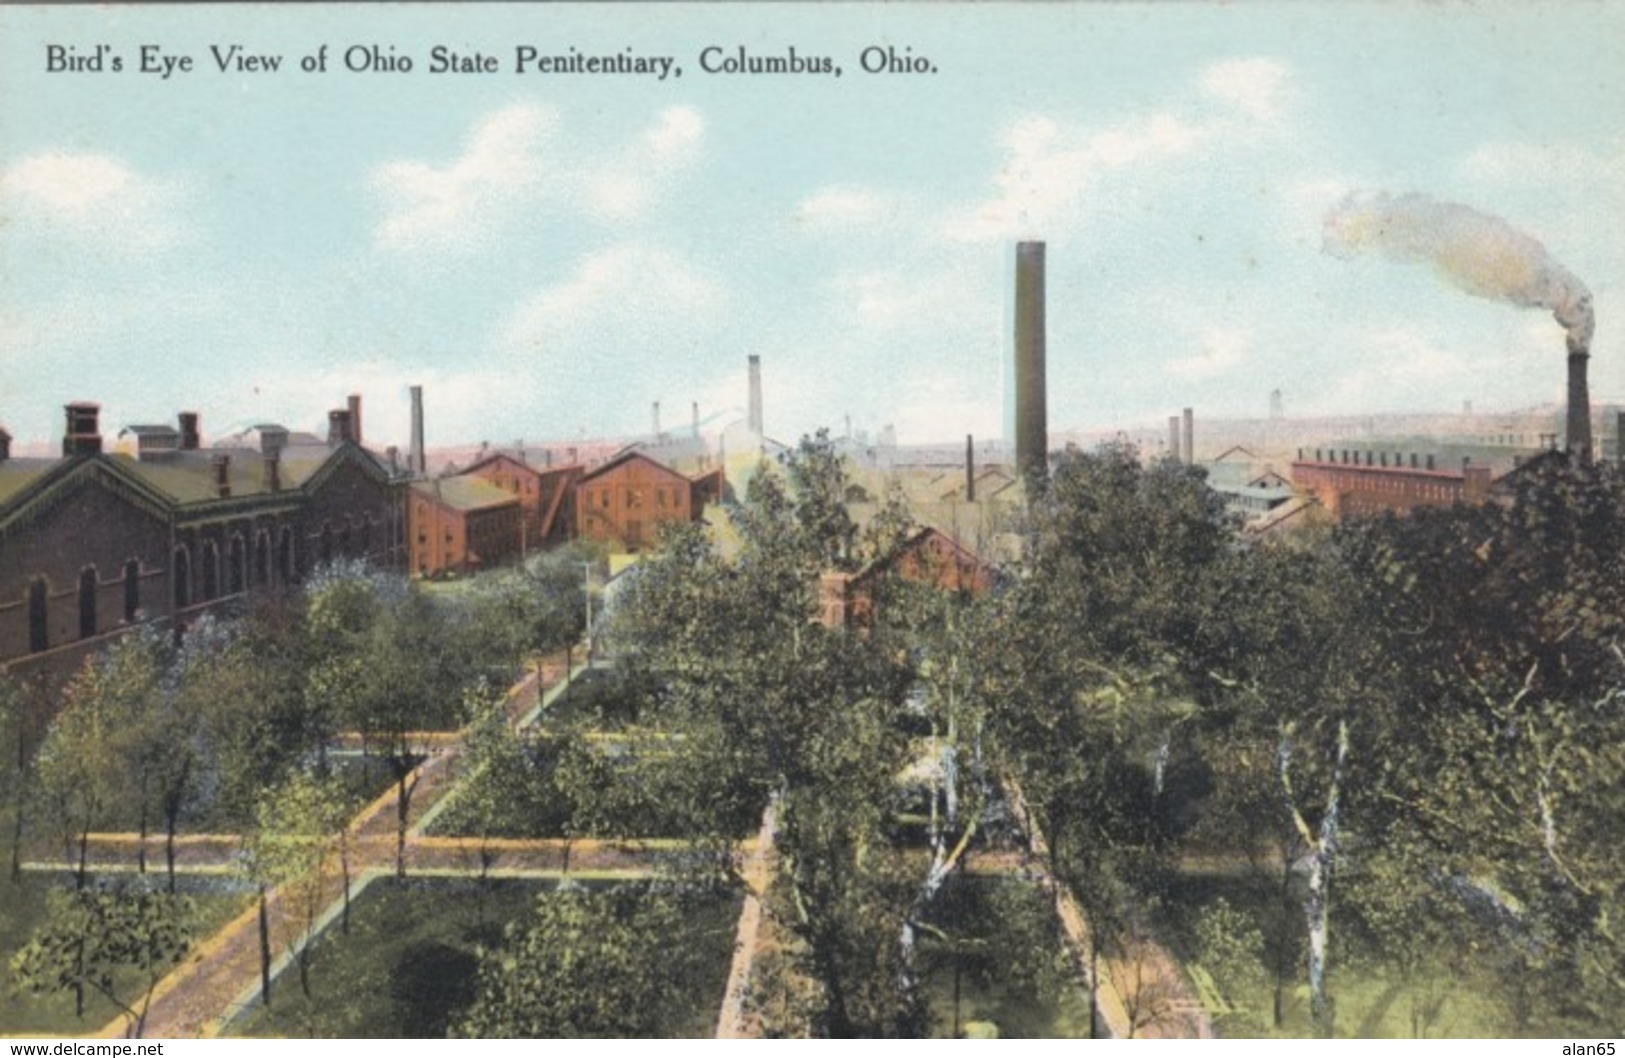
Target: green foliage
[(90, 934), (591, 963)]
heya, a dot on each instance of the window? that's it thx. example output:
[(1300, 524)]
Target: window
[(236, 566), (211, 570), (87, 602), (634, 498), (132, 589), (39, 634)]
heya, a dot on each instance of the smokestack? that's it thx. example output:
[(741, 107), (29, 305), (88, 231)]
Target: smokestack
[(1190, 437), (654, 413), (970, 469), (696, 409), (417, 460), (354, 404), (1579, 425), (1173, 437), (190, 438), (83, 436), (1032, 411), (753, 418), (338, 426)]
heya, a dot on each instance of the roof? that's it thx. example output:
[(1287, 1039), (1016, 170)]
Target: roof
[(154, 430), (627, 456), (465, 493), (17, 474)]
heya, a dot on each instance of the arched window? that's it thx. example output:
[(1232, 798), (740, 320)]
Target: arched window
[(182, 577), (132, 589), (87, 602), (262, 558), (211, 570), (285, 556), (39, 632), (236, 565)]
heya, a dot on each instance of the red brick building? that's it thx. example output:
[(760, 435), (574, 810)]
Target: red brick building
[(546, 497), (625, 502), (1370, 477), (929, 556), (461, 524)]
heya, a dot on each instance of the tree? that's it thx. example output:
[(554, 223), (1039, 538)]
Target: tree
[(18, 731), (590, 963), (297, 829), (90, 935)]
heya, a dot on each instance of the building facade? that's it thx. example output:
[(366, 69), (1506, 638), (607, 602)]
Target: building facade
[(93, 543), (625, 502), (461, 524)]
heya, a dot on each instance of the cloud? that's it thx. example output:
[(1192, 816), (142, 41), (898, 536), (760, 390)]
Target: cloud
[(1222, 350), (1257, 87), (1048, 168), (511, 163), (841, 208), (634, 296), (96, 198)]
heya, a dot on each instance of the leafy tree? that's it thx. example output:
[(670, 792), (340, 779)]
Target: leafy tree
[(18, 731), (91, 935), (590, 963), (297, 829)]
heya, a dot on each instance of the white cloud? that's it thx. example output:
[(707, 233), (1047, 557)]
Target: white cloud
[(1222, 350), (458, 204), (1257, 87), (841, 208), (1049, 167), (629, 295), (511, 163), (94, 197)]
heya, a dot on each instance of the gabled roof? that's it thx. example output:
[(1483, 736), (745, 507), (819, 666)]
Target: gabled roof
[(465, 493), (626, 456), (153, 430), (502, 457)]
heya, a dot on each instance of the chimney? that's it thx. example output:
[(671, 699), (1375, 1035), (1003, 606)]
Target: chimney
[(416, 459), (1190, 437), (83, 437), (394, 456), (1579, 424), (355, 417), (1277, 406), (190, 438), (1475, 482), (753, 418), (1173, 437), (1032, 409), (696, 418), (272, 462), (1619, 436), (654, 413), (338, 426), (273, 439), (970, 469), (221, 462)]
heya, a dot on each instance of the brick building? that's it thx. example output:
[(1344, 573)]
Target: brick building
[(461, 524), (95, 543), (1370, 476), (625, 502), (928, 556), (546, 497)]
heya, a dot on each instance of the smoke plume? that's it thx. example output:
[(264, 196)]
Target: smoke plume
[(1481, 254)]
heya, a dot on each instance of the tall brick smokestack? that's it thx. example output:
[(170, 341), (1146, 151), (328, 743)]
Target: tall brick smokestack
[(1173, 437), (970, 468), (354, 405), (1032, 409), (654, 418), (1188, 447), (754, 415), (416, 458), (1579, 422)]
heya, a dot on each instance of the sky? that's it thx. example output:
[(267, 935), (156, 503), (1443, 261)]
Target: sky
[(548, 253)]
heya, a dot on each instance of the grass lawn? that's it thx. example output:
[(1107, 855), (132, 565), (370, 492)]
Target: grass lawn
[(1369, 1002), (408, 967), (22, 910), (1003, 959)]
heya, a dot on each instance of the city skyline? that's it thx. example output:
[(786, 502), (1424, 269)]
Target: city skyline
[(548, 254)]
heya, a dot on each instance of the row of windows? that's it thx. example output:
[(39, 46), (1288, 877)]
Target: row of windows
[(241, 568)]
